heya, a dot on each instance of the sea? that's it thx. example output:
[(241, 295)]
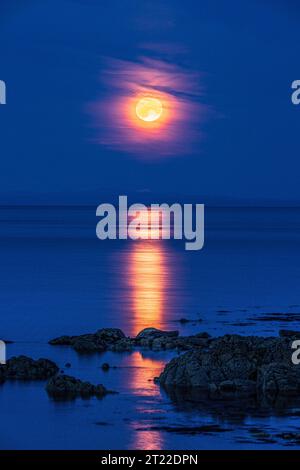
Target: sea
[(57, 277)]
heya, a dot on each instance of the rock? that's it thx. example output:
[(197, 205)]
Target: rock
[(62, 341), (158, 340), (280, 378), (190, 342), (152, 333), (227, 386), (25, 368), (105, 366), (155, 339), (125, 344), (289, 333), (113, 339), (110, 335), (185, 371), (241, 387), (290, 436), (68, 365), (89, 344), (159, 343), (259, 433), (277, 316), (183, 321), (235, 364), (189, 430), (203, 334), (67, 387), (180, 343)]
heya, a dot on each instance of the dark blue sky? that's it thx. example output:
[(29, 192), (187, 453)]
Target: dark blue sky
[(51, 58)]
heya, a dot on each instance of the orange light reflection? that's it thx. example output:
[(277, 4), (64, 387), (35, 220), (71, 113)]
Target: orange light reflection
[(148, 281), (142, 371)]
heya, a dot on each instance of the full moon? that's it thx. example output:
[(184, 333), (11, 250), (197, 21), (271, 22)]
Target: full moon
[(148, 109)]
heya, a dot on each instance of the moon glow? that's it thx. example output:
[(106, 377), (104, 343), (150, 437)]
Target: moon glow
[(149, 109)]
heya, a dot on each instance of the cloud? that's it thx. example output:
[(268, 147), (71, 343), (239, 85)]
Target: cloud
[(124, 82)]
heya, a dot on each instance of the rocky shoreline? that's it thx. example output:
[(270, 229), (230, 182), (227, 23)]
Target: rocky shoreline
[(234, 364), (113, 339), (223, 368)]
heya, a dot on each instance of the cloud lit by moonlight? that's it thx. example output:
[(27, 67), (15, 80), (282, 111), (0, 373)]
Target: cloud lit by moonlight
[(148, 108)]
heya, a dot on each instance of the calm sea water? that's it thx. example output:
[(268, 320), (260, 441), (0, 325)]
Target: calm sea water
[(57, 278)]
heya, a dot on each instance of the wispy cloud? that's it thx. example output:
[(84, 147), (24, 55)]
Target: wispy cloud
[(178, 88)]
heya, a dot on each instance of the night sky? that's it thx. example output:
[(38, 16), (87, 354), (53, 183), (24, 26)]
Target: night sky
[(237, 143)]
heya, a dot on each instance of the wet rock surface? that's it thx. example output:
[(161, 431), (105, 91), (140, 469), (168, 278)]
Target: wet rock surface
[(25, 368), (236, 365), (67, 387)]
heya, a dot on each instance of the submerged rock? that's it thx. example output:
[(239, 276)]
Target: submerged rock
[(293, 437), (234, 364), (63, 340), (289, 333), (67, 387), (25, 368), (208, 429)]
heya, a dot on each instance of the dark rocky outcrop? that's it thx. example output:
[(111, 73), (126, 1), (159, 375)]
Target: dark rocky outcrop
[(152, 333), (158, 340), (63, 340), (100, 341), (234, 364), (113, 339), (25, 368), (88, 344), (148, 336), (67, 387), (110, 335), (184, 320)]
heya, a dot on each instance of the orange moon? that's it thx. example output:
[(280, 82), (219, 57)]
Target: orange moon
[(149, 109)]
